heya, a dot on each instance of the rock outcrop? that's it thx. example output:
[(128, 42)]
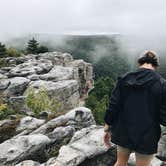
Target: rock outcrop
[(64, 78), (54, 133), (85, 144)]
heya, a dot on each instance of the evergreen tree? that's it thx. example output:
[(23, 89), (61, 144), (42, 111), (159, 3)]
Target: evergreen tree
[(42, 49), (32, 47), (2, 50)]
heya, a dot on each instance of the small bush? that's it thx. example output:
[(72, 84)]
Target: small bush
[(12, 52), (3, 62), (40, 101), (5, 109)]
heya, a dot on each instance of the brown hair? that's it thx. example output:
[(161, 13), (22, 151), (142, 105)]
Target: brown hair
[(149, 57)]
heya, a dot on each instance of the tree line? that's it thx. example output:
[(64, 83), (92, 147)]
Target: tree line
[(33, 47)]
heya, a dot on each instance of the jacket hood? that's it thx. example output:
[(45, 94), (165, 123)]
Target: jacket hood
[(142, 77)]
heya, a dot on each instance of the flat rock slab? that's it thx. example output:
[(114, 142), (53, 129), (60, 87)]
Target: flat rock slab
[(59, 73)]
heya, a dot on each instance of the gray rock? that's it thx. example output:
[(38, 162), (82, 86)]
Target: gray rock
[(57, 58), (162, 148), (49, 162), (17, 86), (132, 160), (18, 103), (29, 123), (6, 69), (2, 76), (28, 163), (59, 73), (30, 67), (85, 75), (78, 118), (66, 92), (44, 114), (65, 79), (51, 125), (154, 162), (85, 68), (60, 133), (33, 77), (4, 83), (90, 144), (21, 148)]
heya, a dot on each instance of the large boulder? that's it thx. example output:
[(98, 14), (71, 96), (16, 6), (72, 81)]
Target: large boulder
[(17, 86), (154, 162), (85, 75), (2, 76), (85, 144), (60, 133), (59, 73), (57, 58), (66, 92), (65, 79), (21, 148), (162, 148), (84, 68), (30, 67), (4, 83), (79, 118)]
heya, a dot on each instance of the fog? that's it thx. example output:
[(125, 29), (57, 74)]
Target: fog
[(141, 23)]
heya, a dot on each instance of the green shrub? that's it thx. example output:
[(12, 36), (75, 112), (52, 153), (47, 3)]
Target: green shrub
[(42, 49), (39, 101), (3, 63), (5, 109), (12, 52)]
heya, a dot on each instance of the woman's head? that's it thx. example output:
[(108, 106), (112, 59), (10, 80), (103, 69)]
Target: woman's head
[(149, 57)]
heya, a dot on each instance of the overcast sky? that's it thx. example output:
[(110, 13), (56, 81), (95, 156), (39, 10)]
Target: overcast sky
[(18, 17)]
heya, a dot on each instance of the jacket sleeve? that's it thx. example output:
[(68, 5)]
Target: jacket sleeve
[(163, 106), (114, 105)]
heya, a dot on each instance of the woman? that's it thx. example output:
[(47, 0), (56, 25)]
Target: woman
[(137, 108)]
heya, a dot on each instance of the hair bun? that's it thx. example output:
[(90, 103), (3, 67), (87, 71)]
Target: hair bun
[(149, 57)]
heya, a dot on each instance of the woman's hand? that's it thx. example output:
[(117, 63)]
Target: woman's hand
[(107, 139)]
